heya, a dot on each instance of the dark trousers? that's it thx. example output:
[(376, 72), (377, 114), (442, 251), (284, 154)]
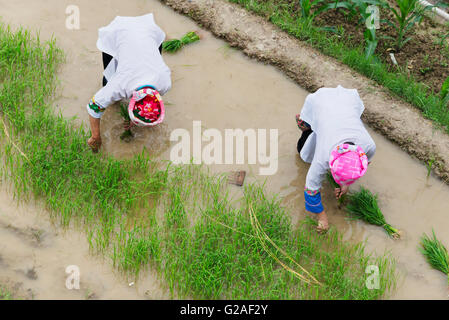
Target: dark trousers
[(107, 58), (303, 139)]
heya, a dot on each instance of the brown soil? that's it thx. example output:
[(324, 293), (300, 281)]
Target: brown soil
[(398, 121), (425, 56)]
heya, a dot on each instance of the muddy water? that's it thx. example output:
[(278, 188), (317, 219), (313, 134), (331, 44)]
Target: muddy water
[(34, 255), (225, 90)]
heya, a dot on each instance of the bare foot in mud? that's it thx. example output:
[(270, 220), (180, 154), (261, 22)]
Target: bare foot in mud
[(323, 223)]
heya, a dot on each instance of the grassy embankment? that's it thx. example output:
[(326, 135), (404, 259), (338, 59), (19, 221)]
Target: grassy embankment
[(177, 219), (282, 14)]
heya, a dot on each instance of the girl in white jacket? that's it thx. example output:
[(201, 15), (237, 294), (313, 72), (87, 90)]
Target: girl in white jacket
[(134, 68), (334, 138)]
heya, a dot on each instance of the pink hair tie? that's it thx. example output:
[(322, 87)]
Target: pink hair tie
[(348, 163)]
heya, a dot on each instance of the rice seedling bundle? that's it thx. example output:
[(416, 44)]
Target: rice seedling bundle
[(435, 253), (127, 134), (332, 180), (174, 45), (334, 184), (363, 205)]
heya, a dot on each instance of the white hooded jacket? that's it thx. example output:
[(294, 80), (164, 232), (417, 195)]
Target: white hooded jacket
[(134, 43), (334, 116)]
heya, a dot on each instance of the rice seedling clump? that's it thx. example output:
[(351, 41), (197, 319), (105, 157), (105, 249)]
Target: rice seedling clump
[(127, 133), (435, 253), (175, 45), (363, 205)]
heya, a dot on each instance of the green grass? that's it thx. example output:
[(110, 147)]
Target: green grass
[(178, 220), (127, 135), (435, 253), (5, 294), (418, 94), (335, 185)]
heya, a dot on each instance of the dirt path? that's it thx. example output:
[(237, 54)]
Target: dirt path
[(224, 89)]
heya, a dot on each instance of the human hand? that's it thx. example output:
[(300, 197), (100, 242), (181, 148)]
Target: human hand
[(127, 125), (339, 192), (94, 143)]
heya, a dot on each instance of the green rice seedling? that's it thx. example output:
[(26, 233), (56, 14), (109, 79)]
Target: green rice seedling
[(435, 253), (334, 184), (429, 166), (174, 45), (146, 213), (265, 240), (363, 205), (331, 180), (5, 294), (127, 135)]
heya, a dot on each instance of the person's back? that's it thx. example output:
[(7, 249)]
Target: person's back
[(134, 69), (334, 138), (335, 115), (134, 43)]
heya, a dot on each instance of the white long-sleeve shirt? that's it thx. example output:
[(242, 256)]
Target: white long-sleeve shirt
[(134, 43), (334, 116)]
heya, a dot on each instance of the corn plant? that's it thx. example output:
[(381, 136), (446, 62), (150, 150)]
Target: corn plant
[(306, 7), (409, 13), (310, 9), (349, 6), (357, 7), (362, 8), (371, 42)]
